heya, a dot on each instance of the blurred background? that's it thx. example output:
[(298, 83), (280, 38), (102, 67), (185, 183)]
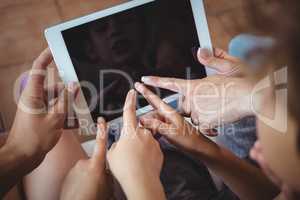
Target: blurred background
[(23, 23)]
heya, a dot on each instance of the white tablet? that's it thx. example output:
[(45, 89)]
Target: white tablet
[(108, 51)]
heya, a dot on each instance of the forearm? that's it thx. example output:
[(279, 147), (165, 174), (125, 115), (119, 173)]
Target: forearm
[(14, 165), (244, 179), (142, 188)]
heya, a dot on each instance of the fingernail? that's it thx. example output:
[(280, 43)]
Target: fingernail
[(146, 79), (100, 120), (100, 127), (138, 86), (132, 93), (204, 53)]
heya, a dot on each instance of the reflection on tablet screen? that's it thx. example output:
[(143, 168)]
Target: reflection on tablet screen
[(111, 53)]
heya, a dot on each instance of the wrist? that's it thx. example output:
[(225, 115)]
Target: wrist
[(206, 150), (21, 155), (14, 165), (251, 103)]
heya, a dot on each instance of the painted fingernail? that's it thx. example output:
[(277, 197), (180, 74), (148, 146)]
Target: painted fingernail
[(204, 53)]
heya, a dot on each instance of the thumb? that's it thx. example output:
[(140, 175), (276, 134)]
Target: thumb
[(35, 85), (218, 60), (99, 154)]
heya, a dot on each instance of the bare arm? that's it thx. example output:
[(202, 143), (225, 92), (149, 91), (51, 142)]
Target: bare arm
[(136, 159), (246, 181), (14, 165), (37, 126)]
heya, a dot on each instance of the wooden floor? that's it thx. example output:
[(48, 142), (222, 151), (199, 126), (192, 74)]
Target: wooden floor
[(23, 21)]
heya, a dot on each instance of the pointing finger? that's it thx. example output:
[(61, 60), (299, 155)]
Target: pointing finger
[(98, 157), (129, 112), (173, 84), (163, 109)]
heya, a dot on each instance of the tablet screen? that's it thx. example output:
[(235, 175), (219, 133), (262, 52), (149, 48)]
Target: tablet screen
[(112, 53)]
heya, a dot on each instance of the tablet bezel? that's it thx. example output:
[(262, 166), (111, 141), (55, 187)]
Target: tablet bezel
[(67, 71)]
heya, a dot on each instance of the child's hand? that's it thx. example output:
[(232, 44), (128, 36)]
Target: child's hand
[(166, 121), (38, 123), (88, 178), (136, 159)]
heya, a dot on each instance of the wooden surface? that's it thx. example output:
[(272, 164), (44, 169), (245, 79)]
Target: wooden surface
[(23, 22)]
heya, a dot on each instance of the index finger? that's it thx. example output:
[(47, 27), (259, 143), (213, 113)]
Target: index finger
[(173, 84), (163, 109), (99, 153), (129, 111)]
